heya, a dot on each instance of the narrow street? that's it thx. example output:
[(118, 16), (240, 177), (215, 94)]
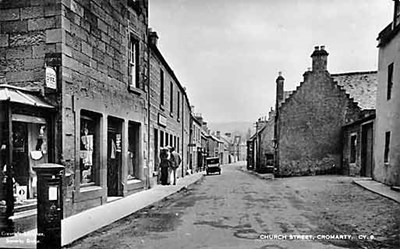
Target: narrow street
[(240, 210)]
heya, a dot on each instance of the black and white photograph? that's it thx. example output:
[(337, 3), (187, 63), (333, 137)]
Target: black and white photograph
[(200, 124)]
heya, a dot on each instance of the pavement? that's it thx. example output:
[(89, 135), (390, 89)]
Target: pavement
[(378, 188), (364, 182), (81, 224)]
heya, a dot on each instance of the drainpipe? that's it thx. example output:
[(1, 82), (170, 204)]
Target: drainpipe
[(148, 117), (183, 133)]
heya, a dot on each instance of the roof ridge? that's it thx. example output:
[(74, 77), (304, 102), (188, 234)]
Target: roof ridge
[(354, 73)]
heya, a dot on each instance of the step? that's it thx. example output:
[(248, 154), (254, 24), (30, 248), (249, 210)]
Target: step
[(24, 220)]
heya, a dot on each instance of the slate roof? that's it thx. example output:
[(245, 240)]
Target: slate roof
[(361, 86)]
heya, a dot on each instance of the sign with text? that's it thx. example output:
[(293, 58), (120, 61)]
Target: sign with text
[(51, 78), (162, 120)]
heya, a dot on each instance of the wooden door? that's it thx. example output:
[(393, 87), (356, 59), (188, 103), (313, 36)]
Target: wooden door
[(113, 157), (367, 150)]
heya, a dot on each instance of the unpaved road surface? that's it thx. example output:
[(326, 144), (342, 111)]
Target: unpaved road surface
[(240, 210)]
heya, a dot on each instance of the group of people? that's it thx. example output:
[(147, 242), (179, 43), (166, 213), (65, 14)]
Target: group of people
[(170, 161)]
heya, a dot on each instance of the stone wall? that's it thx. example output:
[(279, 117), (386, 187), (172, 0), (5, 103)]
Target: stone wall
[(27, 33), (310, 126)]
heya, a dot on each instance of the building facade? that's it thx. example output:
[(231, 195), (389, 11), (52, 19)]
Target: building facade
[(87, 61), (196, 150), (84, 85), (170, 112), (387, 133)]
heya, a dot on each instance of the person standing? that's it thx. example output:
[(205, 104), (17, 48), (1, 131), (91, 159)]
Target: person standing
[(176, 160), (165, 164)]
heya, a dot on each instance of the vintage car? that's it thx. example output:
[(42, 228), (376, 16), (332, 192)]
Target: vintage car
[(213, 165)]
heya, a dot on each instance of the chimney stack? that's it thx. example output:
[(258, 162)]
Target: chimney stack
[(319, 59), (279, 89), (153, 37)]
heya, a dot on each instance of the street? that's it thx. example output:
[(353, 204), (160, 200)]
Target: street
[(240, 210)]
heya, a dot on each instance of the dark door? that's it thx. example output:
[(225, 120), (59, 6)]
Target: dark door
[(367, 150), (114, 143)]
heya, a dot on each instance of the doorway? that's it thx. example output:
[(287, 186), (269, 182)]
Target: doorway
[(114, 156), (367, 144)]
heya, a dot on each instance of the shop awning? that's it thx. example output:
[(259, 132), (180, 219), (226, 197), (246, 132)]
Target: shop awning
[(21, 96)]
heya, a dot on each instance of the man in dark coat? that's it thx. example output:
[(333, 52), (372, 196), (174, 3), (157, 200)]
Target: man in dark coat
[(175, 160)]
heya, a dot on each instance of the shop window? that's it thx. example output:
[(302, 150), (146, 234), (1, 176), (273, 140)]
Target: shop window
[(387, 147), (133, 150), (174, 142), (353, 148), (156, 148), (89, 163), (162, 139)]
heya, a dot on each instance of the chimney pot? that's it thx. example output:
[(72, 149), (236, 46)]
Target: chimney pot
[(153, 38)]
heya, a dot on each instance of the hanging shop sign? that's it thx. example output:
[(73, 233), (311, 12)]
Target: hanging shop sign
[(51, 78)]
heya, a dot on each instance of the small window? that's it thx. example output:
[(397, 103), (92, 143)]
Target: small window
[(387, 147), (353, 148), (166, 139), (161, 87), (133, 62), (390, 81)]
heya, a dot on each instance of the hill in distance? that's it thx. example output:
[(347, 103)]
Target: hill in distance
[(236, 128)]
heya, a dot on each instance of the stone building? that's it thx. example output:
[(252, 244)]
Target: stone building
[(170, 111), (357, 156), (195, 147), (387, 132), (85, 61), (83, 84), (308, 124)]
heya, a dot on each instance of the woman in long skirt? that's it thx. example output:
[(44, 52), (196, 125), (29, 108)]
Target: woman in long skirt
[(164, 165)]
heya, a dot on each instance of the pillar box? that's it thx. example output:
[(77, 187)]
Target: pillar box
[(49, 204)]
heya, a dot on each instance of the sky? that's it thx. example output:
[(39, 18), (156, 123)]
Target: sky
[(227, 53)]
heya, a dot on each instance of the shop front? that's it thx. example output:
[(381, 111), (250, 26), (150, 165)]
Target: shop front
[(25, 136)]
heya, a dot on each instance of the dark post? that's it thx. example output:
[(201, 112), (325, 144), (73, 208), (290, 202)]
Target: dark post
[(50, 205), (6, 212)]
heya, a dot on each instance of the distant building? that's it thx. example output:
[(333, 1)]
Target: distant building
[(195, 148), (387, 135)]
